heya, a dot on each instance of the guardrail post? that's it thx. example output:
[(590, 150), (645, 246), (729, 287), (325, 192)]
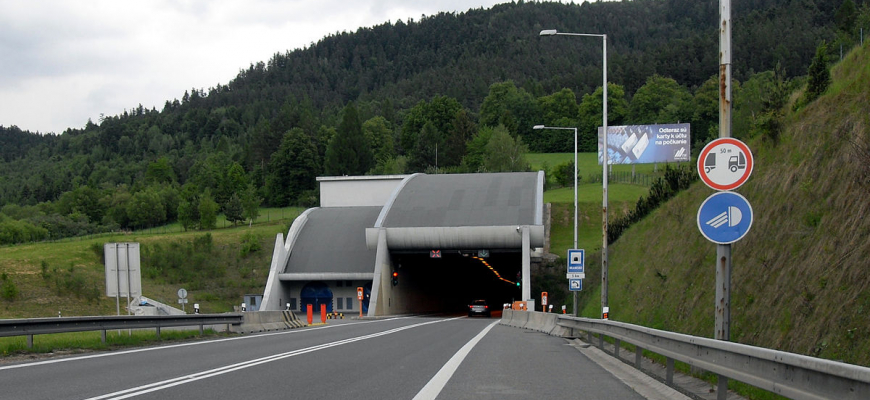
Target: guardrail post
[(158, 333), (616, 348), (601, 342), (29, 341), (669, 376), (201, 330), (722, 388), (638, 356), (103, 336)]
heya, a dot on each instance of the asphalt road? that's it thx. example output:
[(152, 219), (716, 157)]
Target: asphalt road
[(403, 358)]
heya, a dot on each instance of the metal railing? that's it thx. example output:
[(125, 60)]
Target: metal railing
[(40, 326), (787, 374)]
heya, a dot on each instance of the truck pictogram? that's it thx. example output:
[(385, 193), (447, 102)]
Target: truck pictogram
[(736, 162)]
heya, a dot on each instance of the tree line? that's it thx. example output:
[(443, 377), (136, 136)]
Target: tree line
[(451, 93)]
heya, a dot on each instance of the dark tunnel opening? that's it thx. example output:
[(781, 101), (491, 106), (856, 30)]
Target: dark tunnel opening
[(448, 284)]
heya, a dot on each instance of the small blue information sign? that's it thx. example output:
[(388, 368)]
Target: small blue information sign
[(576, 261), (575, 285)]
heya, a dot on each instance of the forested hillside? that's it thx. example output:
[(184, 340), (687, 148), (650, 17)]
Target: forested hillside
[(454, 92)]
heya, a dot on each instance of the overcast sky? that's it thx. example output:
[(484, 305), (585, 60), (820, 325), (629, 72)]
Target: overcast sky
[(63, 62)]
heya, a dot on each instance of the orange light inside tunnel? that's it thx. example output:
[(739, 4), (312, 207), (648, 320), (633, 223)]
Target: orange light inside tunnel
[(497, 275)]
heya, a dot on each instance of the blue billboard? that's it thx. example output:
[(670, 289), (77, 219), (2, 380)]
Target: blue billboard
[(646, 144)]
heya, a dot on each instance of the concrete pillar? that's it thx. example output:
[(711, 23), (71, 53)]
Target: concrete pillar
[(381, 282), (527, 262)]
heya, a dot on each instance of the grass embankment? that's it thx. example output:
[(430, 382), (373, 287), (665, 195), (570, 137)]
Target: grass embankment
[(68, 277), (800, 278)]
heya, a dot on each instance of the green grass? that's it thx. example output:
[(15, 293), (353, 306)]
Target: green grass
[(92, 340), (592, 193), (42, 296), (587, 163)]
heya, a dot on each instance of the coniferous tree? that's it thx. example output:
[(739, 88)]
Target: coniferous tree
[(819, 77), (233, 210), (292, 170), (348, 153)]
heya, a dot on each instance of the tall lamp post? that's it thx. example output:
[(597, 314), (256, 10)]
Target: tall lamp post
[(604, 162), (575, 189)]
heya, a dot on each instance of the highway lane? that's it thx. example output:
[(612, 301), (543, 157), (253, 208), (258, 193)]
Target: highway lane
[(444, 358)]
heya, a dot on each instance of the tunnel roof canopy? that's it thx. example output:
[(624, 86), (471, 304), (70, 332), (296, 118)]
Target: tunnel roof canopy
[(464, 200), (462, 211), (333, 241)]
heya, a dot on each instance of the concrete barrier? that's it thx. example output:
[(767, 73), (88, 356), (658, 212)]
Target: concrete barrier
[(538, 321), (262, 321)]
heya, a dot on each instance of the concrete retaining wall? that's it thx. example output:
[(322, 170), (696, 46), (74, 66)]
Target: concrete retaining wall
[(262, 321), (537, 321)]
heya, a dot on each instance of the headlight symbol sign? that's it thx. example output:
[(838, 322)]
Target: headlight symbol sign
[(725, 217)]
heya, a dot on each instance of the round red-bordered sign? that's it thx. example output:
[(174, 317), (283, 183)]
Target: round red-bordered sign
[(725, 164)]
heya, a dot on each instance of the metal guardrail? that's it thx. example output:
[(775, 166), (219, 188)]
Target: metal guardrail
[(787, 374), (39, 326)]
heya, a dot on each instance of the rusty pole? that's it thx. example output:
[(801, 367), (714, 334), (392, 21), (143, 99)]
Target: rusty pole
[(723, 251)]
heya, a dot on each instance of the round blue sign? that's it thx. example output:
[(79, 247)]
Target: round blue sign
[(725, 217)]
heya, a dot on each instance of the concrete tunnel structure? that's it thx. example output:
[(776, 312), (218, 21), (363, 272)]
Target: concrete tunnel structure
[(451, 238)]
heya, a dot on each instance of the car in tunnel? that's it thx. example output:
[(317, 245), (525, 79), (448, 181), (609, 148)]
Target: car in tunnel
[(479, 307)]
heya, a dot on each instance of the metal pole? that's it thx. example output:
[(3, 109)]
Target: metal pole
[(604, 280), (117, 282), (723, 251), (575, 209), (127, 255)]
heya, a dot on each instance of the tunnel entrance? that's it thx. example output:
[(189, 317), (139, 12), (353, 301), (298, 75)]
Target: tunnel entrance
[(448, 284)]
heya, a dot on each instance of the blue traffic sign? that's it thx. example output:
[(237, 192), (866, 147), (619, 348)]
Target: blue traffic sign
[(575, 285), (725, 217), (576, 260)]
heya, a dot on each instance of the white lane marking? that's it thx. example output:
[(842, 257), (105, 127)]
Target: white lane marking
[(153, 387), (172, 346), (436, 384)]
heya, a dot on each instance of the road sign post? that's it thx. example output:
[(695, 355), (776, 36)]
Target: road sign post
[(182, 297)]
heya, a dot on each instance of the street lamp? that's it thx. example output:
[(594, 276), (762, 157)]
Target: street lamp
[(575, 189), (604, 162)]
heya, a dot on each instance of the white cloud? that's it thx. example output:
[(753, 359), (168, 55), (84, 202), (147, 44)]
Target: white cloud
[(65, 62)]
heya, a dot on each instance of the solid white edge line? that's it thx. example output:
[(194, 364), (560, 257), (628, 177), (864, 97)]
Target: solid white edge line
[(437, 383)]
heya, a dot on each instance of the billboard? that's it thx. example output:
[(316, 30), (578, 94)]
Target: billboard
[(646, 144)]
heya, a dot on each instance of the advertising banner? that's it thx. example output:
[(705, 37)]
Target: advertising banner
[(646, 144)]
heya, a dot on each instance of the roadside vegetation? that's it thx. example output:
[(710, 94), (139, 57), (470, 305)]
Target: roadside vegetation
[(80, 342), (67, 278)]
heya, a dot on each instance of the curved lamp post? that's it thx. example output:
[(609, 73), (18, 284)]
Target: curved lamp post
[(604, 162)]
